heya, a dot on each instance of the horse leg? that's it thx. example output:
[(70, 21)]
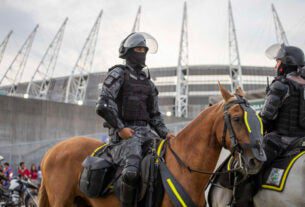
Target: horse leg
[(43, 196), (60, 188), (60, 178), (61, 197), (61, 168)]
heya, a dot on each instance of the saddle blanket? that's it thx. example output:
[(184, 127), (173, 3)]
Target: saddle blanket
[(274, 178)]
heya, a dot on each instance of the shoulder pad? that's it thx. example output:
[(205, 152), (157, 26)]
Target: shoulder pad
[(280, 78), (115, 72), (113, 75), (279, 87), (153, 87), (123, 67)]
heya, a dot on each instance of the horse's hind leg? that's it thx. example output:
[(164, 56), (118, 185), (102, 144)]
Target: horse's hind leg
[(61, 193), (60, 181), (43, 196), (62, 201)]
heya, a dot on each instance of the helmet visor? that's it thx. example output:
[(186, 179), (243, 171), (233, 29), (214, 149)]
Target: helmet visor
[(142, 39), (276, 51)]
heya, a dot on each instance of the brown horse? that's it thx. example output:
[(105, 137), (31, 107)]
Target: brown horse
[(199, 145)]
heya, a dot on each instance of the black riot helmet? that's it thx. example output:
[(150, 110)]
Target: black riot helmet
[(289, 55), (138, 39)]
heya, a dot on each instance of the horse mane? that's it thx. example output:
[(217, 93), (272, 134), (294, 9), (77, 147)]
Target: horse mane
[(208, 113), (203, 115)]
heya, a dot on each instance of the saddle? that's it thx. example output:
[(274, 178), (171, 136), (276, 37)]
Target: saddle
[(101, 177), (272, 177)]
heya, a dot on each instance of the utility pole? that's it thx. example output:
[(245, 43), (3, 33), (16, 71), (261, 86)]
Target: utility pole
[(39, 85), (78, 80), (136, 24), (181, 102), (4, 44), (279, 29), (15, 71), (234, 58)]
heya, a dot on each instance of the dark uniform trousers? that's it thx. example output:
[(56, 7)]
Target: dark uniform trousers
[(128, 154)]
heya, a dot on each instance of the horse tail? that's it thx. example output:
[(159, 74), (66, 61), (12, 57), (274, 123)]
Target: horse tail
[(43, 196)]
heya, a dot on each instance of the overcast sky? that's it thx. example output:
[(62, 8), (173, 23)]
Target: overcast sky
[(207, 27)]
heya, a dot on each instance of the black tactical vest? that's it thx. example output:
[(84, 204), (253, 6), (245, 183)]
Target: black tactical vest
[(291, 116), (134, 97)]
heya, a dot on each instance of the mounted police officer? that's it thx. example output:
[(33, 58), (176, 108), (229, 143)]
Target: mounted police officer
[(129, 104), (283, 112)]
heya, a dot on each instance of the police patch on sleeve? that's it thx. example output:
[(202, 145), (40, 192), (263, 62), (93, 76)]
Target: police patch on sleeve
[(114, 74), (111, 78), (108, 80)]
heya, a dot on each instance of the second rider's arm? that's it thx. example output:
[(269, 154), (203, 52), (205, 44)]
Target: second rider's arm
[(274, 99)]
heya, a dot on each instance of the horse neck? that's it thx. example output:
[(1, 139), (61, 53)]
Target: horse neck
[(197, 146)]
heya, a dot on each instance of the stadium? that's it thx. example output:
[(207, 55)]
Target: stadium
[(45, 104), (184, 89), (202, 80)]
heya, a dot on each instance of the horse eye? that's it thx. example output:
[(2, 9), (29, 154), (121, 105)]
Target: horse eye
[(237, 119)]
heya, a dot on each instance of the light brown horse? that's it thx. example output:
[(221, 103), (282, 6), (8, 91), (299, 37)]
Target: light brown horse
[(199, 145)]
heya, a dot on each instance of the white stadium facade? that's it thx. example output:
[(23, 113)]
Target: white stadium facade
[(202, 81)]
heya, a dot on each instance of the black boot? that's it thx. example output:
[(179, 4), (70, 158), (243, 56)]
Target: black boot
[(128, 195), (130, 180)]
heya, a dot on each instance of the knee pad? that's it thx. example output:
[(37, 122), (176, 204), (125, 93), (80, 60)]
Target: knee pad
[(131, 175)]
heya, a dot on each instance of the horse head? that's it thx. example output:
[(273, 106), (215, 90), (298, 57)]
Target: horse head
[(239, 129)]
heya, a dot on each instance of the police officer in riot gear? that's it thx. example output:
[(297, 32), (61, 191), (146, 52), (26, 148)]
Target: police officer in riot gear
[(284, 109), (129, 104), (283, 112)]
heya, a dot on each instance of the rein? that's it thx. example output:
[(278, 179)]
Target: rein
[(190, 169)]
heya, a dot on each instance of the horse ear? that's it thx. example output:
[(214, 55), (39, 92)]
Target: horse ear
[(226, 95), (240, 92)]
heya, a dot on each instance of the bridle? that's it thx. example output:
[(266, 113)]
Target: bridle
[(236, 147)]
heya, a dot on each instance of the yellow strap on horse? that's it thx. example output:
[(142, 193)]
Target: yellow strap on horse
[(261, 123), (246, 121), (172, 186), (285, 175), (97, 149), (229, 163), (175, 191), (160, 149)]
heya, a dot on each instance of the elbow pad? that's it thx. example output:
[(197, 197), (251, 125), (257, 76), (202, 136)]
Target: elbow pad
[(278, 91), (270, 108), (103, 110)]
